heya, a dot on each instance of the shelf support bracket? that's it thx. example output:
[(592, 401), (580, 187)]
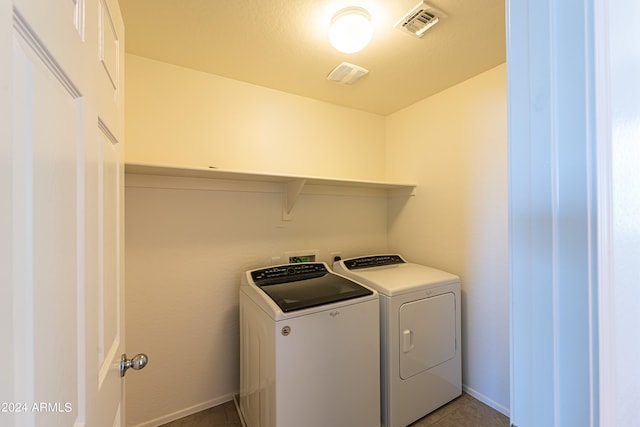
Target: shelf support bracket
[(293, 190)]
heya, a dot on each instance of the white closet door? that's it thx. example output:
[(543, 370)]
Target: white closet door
[(62, 212)]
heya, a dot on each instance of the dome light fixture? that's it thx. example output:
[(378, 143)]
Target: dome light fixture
[(351, 29)]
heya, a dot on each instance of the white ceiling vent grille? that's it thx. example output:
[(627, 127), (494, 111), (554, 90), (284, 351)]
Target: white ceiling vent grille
[(419, 19), (347, 74)]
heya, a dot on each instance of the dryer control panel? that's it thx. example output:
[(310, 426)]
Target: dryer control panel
[(373, 261)]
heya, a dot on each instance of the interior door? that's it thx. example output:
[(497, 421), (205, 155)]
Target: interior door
[(62, 212)]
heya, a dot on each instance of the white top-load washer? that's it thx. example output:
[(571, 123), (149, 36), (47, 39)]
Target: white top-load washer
[(309, 349), (419, 334)]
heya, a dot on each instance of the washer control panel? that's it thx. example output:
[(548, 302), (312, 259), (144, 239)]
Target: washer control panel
[(287, 273), (373, 261)]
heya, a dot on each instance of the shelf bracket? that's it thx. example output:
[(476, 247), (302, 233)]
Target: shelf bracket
[(293, 190), (404, 192)]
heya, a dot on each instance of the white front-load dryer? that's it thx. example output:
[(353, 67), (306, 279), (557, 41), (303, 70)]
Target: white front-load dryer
[(421, 367)]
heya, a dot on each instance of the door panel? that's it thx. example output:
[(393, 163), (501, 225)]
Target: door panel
[(110, 310), (108, 44), (427, 333), (108, 301), (47, 115), (64, 193)]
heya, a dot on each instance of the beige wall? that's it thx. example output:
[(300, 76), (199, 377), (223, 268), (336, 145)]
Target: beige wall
[(185, 252), (186, 248), (188, 241), (179, 116), (453, 145)]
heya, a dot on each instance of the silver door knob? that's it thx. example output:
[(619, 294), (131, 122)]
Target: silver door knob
[(138, 362)]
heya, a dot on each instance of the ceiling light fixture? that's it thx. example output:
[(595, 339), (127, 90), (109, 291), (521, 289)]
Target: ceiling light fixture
[(351, 30)]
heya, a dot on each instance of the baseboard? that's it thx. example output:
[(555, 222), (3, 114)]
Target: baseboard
[(484, 399), (236, 401), (186, 412), (223, 399)]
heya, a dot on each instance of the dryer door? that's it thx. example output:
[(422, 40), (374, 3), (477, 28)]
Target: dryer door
[(427, 333)]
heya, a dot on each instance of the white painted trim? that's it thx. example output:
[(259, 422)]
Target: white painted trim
[(606, 291), (236, 402), (486, 400), (31, 38), (187, 411), (552, 212)]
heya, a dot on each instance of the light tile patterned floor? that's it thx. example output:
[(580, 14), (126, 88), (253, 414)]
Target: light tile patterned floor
[(224, 415), (464, 411)]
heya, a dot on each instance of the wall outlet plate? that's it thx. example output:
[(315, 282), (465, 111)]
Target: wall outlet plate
[(276, 260)]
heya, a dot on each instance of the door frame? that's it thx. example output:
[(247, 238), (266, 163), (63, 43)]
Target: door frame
[(562, 286)]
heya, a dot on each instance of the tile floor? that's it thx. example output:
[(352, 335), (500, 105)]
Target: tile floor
[(224, 415), (464, 411)]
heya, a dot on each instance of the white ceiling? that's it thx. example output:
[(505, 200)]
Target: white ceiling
[(283, 44)]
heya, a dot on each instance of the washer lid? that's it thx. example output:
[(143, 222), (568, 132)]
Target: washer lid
[(299, 286), (394, 278)]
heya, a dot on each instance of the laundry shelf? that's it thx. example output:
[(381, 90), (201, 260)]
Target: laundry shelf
[(293, 184)]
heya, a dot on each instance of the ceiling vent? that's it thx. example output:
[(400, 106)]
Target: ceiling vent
[(346, 74), (419, 19)]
